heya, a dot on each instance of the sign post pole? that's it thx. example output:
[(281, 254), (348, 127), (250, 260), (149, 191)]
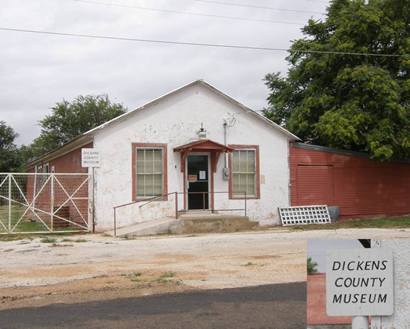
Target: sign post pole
[(360, 322), (90, 158)]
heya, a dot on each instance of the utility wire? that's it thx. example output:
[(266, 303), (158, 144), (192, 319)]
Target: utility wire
[(259, 7), (199, 44), (186, 13)]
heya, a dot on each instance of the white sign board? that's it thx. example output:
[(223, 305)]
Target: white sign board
[(90, 158), (359, 282)]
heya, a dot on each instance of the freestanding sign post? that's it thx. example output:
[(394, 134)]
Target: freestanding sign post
[(359, 283), (90, 158)]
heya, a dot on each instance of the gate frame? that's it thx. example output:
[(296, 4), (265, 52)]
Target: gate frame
[(53, 177)]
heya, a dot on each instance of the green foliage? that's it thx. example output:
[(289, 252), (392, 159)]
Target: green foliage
[(311, 266), (9, 157), (359, 103), (70, 119)]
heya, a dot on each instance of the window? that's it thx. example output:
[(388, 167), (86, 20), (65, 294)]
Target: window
[(149, 170), (245, 172)]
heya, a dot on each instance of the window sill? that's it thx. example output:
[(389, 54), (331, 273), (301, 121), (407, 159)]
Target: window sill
[(251, 197), (157, 198)]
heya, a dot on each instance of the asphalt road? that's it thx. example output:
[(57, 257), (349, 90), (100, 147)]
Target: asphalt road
[(279, 306)]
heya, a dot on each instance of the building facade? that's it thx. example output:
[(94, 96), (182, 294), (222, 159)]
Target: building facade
[(214, 152)]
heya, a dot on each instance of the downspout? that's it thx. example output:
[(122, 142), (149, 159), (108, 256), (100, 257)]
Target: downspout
[(225, 170)]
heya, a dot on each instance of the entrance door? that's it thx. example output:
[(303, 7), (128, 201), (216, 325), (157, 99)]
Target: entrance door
[(198, 182)]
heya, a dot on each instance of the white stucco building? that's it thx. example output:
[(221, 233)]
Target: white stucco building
[(196, 141)]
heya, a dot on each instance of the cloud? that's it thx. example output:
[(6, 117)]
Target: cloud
[(36, 71)]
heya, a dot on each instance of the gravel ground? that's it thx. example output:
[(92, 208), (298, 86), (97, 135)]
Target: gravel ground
[(30, 269)]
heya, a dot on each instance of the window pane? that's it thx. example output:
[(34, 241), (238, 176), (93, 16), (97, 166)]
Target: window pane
[(242, 161), (149, 182), (235, 161), (235, 183), (140, 185), (158, 155), (140, 160), (157, 161), (250, 190), (251, 161), (157, 188), (149, 161)]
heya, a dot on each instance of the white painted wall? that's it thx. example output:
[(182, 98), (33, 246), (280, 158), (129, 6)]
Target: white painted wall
[(175, 120), (401, 316)]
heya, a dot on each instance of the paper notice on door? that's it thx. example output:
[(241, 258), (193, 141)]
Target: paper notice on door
[(202, 174)]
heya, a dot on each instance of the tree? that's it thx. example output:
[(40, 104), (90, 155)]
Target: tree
[(9, 158), (311, 266), (359, 103), (70, 119)]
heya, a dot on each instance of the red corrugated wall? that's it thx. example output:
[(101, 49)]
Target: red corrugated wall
[(359, 186)]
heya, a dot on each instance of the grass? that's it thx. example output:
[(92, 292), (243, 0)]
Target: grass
[(26, 225), (76, 240), (48, 239), (165, 277), (382, 222)]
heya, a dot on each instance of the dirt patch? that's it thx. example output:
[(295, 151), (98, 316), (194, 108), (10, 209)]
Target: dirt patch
[(98, 288), (35, 273)]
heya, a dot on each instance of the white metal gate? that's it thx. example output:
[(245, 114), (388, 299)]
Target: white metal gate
[(45, 202)]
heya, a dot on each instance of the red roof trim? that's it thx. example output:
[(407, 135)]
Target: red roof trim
[(203, 144)]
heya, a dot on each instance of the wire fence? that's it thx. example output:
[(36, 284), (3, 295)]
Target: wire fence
[(44, 202)]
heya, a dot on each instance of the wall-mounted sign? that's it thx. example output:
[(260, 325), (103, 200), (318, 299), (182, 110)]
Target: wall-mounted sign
[(90, 158), (192, 178), (359, 282), (202, 174)]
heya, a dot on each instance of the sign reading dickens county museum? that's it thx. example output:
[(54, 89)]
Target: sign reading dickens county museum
[(90, 158), (359, 282)]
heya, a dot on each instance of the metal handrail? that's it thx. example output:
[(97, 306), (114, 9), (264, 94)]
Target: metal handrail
[(152, 199), (149, 200), (163, 196)]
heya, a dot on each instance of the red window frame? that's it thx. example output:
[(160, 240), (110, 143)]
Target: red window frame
[(164, 148), (257, 164)]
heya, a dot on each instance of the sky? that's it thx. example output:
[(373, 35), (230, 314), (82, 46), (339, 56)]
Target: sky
[(316, 249), (38, 70)]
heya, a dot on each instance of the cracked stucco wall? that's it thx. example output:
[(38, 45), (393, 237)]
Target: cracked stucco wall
[(175, 121)]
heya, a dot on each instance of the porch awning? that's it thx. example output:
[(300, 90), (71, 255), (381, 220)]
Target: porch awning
[(203, 145)]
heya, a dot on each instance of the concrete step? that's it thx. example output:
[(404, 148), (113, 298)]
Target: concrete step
[(198, 215), (211, 223), (188, 224), (152, 227)]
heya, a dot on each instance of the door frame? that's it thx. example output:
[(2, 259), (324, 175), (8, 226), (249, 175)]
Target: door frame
[(210, 180)]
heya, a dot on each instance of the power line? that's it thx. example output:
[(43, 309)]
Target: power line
[(199, 44), (186, 13), (259, 7)]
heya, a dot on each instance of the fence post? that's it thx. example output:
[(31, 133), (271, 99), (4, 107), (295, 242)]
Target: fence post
[(115, 223), (212, 202), (203, 200), (360, 322), (52, 203), (245, 205), (9, 203), (176, 205)]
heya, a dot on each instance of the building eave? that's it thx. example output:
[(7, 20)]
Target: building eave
[(72, 145)]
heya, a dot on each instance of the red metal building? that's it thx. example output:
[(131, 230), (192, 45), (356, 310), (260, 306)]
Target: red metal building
[(360, 186)]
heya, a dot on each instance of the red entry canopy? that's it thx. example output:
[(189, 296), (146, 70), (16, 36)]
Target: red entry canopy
[(203, 145)]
